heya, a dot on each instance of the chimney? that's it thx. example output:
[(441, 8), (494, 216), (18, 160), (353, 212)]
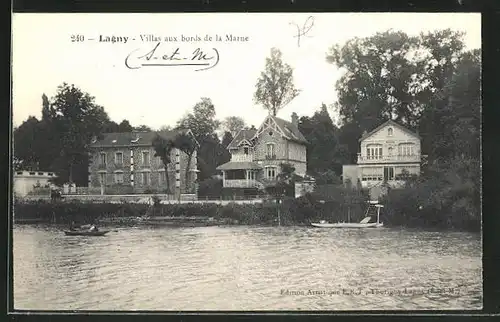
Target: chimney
[(295, 119)]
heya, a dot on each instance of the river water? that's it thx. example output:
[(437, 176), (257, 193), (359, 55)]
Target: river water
[(246, 268)]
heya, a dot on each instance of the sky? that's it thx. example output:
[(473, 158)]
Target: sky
[(44, 56)]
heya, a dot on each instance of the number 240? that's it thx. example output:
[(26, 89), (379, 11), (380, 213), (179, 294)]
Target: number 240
[(77, 38)]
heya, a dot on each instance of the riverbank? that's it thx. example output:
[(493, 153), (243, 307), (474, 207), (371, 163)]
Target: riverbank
[(296, 212)]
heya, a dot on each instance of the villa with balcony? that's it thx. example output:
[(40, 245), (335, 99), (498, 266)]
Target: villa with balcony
[(256, 154), (387, 154)]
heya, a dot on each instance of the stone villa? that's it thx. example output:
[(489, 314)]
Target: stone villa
[(125, 162)]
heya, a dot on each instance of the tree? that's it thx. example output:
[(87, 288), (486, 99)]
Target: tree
[(142, 128), (233, 124), (201, 121), (275, 87), (125, 126), (324, 152), (394, 76), (185, 143), (27, 144), (76, 119), (165, 128), (226, 139), (163, 149), (203, 124)]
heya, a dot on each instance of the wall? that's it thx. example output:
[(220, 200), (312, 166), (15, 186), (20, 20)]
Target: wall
[(285, 151), (24, 181), (280, 145)]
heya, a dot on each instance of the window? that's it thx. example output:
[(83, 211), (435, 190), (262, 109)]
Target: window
[(118, 177), (271, 173), (406, 149), (389, 150), (145, 178), (389, 131), (270, 150), (102, 159), (102, 178), (119, 158), (162, 177), (374, 152), (245, 150), (145, 158), (388, 173)]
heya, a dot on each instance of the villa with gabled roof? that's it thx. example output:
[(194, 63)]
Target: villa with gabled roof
[(256, 154), (388, 153)]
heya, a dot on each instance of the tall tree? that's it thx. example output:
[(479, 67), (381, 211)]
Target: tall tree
[(201, 121), (203, 124), (77, 119), (233, 124), (275, 87), (394, 76), (27, 144), (324, 152), (226, 139)]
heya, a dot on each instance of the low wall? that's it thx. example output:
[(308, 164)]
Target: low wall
[(143, 198)]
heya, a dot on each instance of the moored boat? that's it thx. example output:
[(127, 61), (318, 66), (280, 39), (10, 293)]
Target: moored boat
[(365, 223)]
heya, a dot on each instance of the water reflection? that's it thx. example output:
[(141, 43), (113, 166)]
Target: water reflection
[(245, 268)]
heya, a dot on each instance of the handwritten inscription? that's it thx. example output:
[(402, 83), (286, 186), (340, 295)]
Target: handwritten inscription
[(304, 30), (157, 56)]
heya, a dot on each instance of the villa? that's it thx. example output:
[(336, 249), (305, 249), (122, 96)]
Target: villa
[(256, 154), (388, 153), (126, 162)]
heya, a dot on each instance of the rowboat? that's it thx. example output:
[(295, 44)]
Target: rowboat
[(85, 233), (365, 223)]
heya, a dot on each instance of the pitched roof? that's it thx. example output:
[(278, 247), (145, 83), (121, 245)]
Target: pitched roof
[(133, 138), (238, 166), (389, 122), (290, 130), (243, 134)]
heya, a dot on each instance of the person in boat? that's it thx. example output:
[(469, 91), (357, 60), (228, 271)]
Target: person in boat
[(93, 228)]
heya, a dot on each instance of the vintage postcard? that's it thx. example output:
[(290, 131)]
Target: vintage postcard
[(246, 162)]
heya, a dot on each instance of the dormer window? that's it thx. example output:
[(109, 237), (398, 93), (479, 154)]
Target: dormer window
[(245, 150), (389, 131)]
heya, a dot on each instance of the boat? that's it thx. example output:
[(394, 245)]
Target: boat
[(86, 232), (365, 223)]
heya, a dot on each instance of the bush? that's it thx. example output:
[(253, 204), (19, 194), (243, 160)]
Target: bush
[(446, 196)]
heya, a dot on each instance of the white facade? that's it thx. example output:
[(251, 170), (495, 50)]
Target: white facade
[(26, 181), (387, 154)]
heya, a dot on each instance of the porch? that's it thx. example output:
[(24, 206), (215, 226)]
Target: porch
[(240, 174)]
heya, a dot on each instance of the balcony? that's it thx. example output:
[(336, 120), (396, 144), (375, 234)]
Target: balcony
[(388, 159), (241, 183), (270, 156), (240, 157), (102, 166)]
